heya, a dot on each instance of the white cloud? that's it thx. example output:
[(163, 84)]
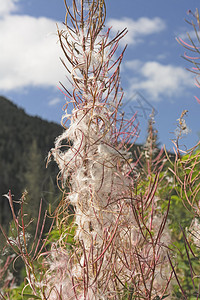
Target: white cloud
[(29, 52), (7, 6), (159, 80), (137, 29), (54, 101), (134, 64)]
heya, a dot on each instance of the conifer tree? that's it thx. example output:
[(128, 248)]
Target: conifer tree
[(33, 184), (151, 146)]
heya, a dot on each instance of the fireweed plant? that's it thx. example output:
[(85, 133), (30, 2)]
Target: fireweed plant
[(120, 239), (193, 46), (186, 173)]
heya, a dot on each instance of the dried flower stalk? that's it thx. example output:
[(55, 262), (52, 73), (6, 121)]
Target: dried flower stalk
[(119, 232)]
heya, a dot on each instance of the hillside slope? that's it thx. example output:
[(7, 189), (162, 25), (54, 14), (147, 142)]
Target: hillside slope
[(24, 145)]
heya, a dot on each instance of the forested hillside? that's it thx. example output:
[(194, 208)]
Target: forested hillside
[(24, 145)]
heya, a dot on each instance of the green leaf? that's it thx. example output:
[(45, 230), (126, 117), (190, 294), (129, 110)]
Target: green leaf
[(29, 296), (164, 297), (158, 298)]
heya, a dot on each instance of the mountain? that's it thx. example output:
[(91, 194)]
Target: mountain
[(24, 145)]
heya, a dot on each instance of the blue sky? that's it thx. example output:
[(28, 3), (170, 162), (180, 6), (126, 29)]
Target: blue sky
[(152, 75)]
